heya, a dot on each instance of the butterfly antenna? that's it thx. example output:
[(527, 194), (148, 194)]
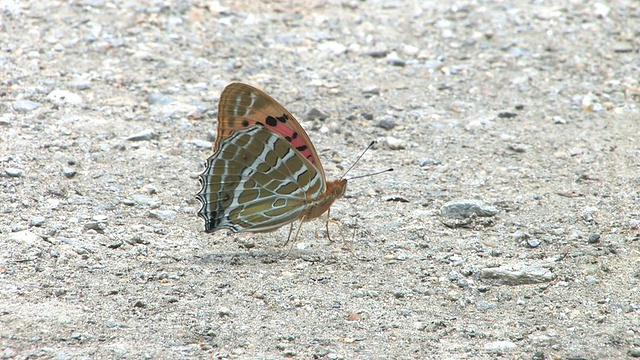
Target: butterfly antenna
[(375, 173), (358, 159)]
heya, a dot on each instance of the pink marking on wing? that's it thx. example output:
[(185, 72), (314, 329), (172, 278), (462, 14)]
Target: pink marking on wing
[(290, 135)]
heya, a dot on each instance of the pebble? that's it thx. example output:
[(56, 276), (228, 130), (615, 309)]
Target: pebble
[(395, 143), (8, 353), (164, 215), (622, 47), (142, 136), (485, 305), (433, 64), (7, 119), (499, 346), (333, 47), (128, 202), (634, 352), (159, 99), (588, 212), (559, 120), (519, 148), (224, 311), (463, 209), (81, 84), (95, 225), (634, 224), (24, 237), (37, 221), (69, 172), (517, 274), (315, 114), (371, 90), (593, 238), (386, 122), (507, 114), (25, 105), (146, 200), (429, 162), (601, 10), (64, 97), (394, 59), (202, 144), (533, 242), (13, 172)]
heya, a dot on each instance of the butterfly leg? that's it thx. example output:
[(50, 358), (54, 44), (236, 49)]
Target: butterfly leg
[(330, 220), (295, 238), (289, 237)]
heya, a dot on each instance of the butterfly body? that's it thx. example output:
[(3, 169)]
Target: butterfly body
[(265, 172)]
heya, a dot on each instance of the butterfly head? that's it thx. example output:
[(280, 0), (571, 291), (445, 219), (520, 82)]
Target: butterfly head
[(337, 188)]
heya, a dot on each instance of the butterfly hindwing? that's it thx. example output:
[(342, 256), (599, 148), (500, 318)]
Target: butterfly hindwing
[(256, 181)]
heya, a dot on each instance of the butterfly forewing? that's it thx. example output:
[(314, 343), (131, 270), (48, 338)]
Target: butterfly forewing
[(242, 106), (256, 181)]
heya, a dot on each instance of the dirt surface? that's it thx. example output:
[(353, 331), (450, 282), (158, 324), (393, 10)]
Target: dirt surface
[(530, 108)]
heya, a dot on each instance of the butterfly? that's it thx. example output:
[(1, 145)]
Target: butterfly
[(265, 172)]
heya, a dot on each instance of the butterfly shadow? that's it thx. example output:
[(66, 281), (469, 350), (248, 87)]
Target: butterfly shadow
[(267, 257)]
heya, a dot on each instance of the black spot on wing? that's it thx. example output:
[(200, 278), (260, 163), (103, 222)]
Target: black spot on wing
[(294, 135), (288, 138), (245, 123), (271, 121), (283, 118), (301, 148)]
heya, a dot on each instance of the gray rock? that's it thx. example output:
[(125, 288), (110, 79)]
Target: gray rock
[(333, 47), (499, 346), (202, 144), (315, 114), (81, 84), (25, 105), (433, 64), (13, 172), (533, 242), (394, 59), (159, 99), (37, 221), (164, 215), (429, 162), (386, 122), (462, 209), (593, 238), (96, 225), (142, 136), (146, 200), (69, 172), (371, 90), (622, 47), (7, 119), (517, 274)]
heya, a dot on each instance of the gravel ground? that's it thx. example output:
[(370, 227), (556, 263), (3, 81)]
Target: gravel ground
[(510, 227)]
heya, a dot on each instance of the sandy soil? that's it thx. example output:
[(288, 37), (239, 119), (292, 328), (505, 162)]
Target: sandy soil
[(529, 108)]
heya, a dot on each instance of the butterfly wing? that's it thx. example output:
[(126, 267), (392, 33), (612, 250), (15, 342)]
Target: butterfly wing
[(243, 106), (256, 181)]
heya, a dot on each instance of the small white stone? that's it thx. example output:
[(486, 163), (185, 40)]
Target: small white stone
[(499, 346), (395, 143), (25, 237), (64, 97)]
